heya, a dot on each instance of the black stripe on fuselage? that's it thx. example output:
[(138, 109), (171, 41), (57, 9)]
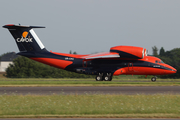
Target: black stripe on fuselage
[(44, 54), (124, 63), (111, 65)]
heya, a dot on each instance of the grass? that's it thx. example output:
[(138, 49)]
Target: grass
[(89, 106), (86, 82), (158, 105)]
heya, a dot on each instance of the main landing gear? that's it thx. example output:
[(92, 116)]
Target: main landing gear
[(105, 77)]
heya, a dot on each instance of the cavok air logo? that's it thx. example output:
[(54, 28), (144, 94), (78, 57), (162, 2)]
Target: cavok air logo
[(24, 38)]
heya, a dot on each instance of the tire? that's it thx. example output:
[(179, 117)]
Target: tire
[(106, 78), (98, 78), (153, 79)]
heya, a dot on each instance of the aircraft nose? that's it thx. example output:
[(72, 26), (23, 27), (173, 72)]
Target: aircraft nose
[(174, 70), (171, 69)]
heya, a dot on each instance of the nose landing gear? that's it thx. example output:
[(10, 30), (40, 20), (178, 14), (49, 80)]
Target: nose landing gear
[(153, 79)]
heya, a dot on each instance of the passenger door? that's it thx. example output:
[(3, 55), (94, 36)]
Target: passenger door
[(84, 63), (130, 67)]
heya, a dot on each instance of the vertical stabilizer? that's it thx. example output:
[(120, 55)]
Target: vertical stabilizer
[(25, 37)]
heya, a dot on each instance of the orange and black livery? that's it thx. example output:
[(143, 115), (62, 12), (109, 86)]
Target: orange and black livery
[(120, 60)]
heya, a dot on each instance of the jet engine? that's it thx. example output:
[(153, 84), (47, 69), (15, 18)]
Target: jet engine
[(129, 52)]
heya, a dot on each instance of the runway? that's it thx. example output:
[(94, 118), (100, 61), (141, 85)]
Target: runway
[(88, 119), (91, 90)]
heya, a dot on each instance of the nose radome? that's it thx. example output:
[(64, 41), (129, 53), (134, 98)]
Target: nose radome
[(173, 70)]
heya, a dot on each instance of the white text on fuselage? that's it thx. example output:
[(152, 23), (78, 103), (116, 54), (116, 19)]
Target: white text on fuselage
[(69, 58), (24, 39), (156, 66)]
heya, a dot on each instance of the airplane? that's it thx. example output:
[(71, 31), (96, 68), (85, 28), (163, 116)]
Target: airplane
[(120, 60)]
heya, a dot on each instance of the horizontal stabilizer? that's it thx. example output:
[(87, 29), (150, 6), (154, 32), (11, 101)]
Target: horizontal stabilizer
[(11, 26)]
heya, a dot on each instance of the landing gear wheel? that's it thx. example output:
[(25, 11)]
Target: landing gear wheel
[(104, 76), (107, 78), (153, 79), (98, 78)]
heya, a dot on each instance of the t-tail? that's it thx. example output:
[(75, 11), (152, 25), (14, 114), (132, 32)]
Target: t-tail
[(26, 39)]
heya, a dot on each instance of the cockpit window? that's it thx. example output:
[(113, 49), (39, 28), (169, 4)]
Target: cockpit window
[(162, 61), (159, 61)]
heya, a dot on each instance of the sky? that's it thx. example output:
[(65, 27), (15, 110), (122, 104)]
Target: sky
[(90, 26)]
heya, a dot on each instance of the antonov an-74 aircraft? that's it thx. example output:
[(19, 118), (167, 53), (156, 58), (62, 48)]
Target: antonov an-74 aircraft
[(120, 60)]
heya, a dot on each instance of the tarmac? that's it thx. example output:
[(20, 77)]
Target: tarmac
[(129, 90)]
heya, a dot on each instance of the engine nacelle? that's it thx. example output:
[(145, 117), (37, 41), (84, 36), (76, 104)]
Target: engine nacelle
[(131, 52)]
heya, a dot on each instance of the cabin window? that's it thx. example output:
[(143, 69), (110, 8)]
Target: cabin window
[(156, 61)]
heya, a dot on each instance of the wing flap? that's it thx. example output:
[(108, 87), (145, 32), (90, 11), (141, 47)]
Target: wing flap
[(104, 55)]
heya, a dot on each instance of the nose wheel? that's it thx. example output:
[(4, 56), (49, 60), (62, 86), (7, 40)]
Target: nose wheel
[(153, 79)]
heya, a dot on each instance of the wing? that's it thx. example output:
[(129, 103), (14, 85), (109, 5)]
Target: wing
[(102, 55)]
